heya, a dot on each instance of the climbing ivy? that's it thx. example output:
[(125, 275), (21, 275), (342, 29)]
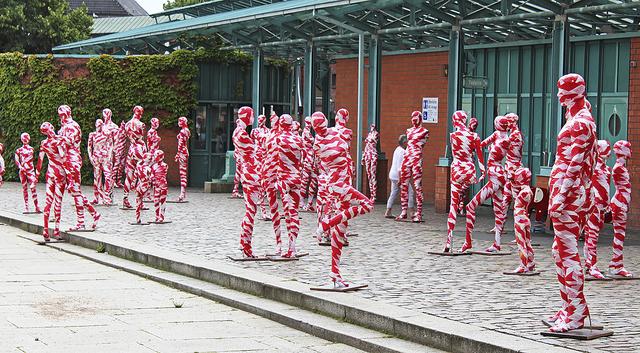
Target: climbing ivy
[(32, 88)]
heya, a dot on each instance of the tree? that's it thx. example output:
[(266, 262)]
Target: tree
[(171, 4), (36, 26)]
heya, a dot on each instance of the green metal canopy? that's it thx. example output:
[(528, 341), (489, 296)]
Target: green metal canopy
[(334, 25)]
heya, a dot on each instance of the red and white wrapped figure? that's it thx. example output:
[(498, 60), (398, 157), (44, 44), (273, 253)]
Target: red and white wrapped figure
[(99, 155), (71, 135), (159, 183), (620, 206), (182, 156), (411, 168), (143, 175), (600, 181), (26, 171), (349, 202), (521, 179), (259, 135), (569, 186), (513, 162), (134, 130), (268, 181), (237, 176), (499, 142), (463, 170), (110, 130), (370, 160), (53, 148), (288, 164), (119, 155), (153, 139), (250, 177), (2, 167), (307, 164), (342, 117)]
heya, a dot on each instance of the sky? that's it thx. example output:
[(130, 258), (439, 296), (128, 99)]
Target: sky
[(152, 6)]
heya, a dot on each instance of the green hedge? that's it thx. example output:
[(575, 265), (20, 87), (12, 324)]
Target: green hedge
[(32, 88)]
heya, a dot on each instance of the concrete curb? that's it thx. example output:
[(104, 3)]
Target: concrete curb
[(428, 330)]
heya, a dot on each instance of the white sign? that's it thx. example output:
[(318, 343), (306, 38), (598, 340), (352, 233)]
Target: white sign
[(430, 110)]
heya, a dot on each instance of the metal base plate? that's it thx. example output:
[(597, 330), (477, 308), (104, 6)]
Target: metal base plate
[(623, 278), (450, 253), (324, 243), (176, 201), (139, 224), (233, 197), (352, 235), (390, 217), (528, 273), (32, 212), (351, 288), (52, 241), (103, 205), (582, 334), (127, 208), (88, 230), (163, 222), (258, 258), (486, 253), (594, 279), (593, 326), (282, 259)]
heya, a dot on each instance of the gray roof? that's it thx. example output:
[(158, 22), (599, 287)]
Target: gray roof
[(106, 25), (111, 8)]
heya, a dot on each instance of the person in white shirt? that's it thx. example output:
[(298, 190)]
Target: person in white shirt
[(394, 176)]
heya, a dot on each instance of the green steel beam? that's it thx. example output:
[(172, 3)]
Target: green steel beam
[(432, 11), (454, 98), (373, 80), (360, 111), (256, 83), (559, 65), (309, 99)]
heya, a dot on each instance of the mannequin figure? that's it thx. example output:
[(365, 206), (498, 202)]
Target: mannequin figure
[(370, 160), (153, 139), (333, 151), (412, 167), (143, 175), (499, 141), (268, 181), (134, 130), (110, 130), (463, 170), (27, 173), (119, 155), (71, 135), (159, 184), (182, 156), (98, 149), (513, 162), (237, 176), (620, 206), (259, 135), (307, 163), (521, 179), (53, 148), (569, 184)]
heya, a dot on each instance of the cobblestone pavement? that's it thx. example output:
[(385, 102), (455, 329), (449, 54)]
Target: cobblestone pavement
[(392, 258), (51, 301)]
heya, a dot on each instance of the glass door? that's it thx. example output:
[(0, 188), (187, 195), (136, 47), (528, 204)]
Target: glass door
[(199, 157)]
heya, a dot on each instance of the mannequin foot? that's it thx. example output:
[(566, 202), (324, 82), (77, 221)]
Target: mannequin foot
[(96, 218), (126, 203), (620, 272), (466, 246), (562, 325), (594, 272), (493, 248), (289, 254), (531, 268), (79, 226), (402, 216), (340, 283), (520, 269)]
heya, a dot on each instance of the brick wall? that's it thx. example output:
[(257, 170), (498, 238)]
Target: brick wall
[(406, 79), (634, 132)]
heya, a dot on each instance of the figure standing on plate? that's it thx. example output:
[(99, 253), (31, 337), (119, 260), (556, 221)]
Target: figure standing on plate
[(259, 135), (268, 180), (620, 206), (153, 139), (182, 157), (26, 171), (499, 142), (411, 168), (521, 179), (159, 183), (143, 175), (370, 160), (134, 130), (569, 186), (349, 202), (463, 169), (71, 135), (600, 181), (53, 148), (513, 162), (99, 152), (307, 166), (119, 155)]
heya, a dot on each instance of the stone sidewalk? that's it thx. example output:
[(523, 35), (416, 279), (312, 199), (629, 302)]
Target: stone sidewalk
[(51, 301), (392, 258)]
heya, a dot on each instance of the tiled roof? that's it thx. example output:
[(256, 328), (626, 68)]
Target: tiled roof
[(106, 25), (111, 8)]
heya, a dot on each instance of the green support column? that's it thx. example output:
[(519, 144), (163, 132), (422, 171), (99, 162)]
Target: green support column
[(309, 97), (297, 93), (454, 100), (360, 111), (326, 89), (559, 59), (373, 91), (256, 85)]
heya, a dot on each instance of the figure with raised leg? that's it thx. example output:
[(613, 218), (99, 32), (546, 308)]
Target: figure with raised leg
[(513, 162), (134, 130), (288, 158), (182, 156), (71, 135), (53, 148), (349, 202), (370, 160), (159, 184), (499, 142), (411, 168), (463, 170), (26, 171), (569, 184), (600, 181), (521, 179), (250, 176), (620, 207)]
